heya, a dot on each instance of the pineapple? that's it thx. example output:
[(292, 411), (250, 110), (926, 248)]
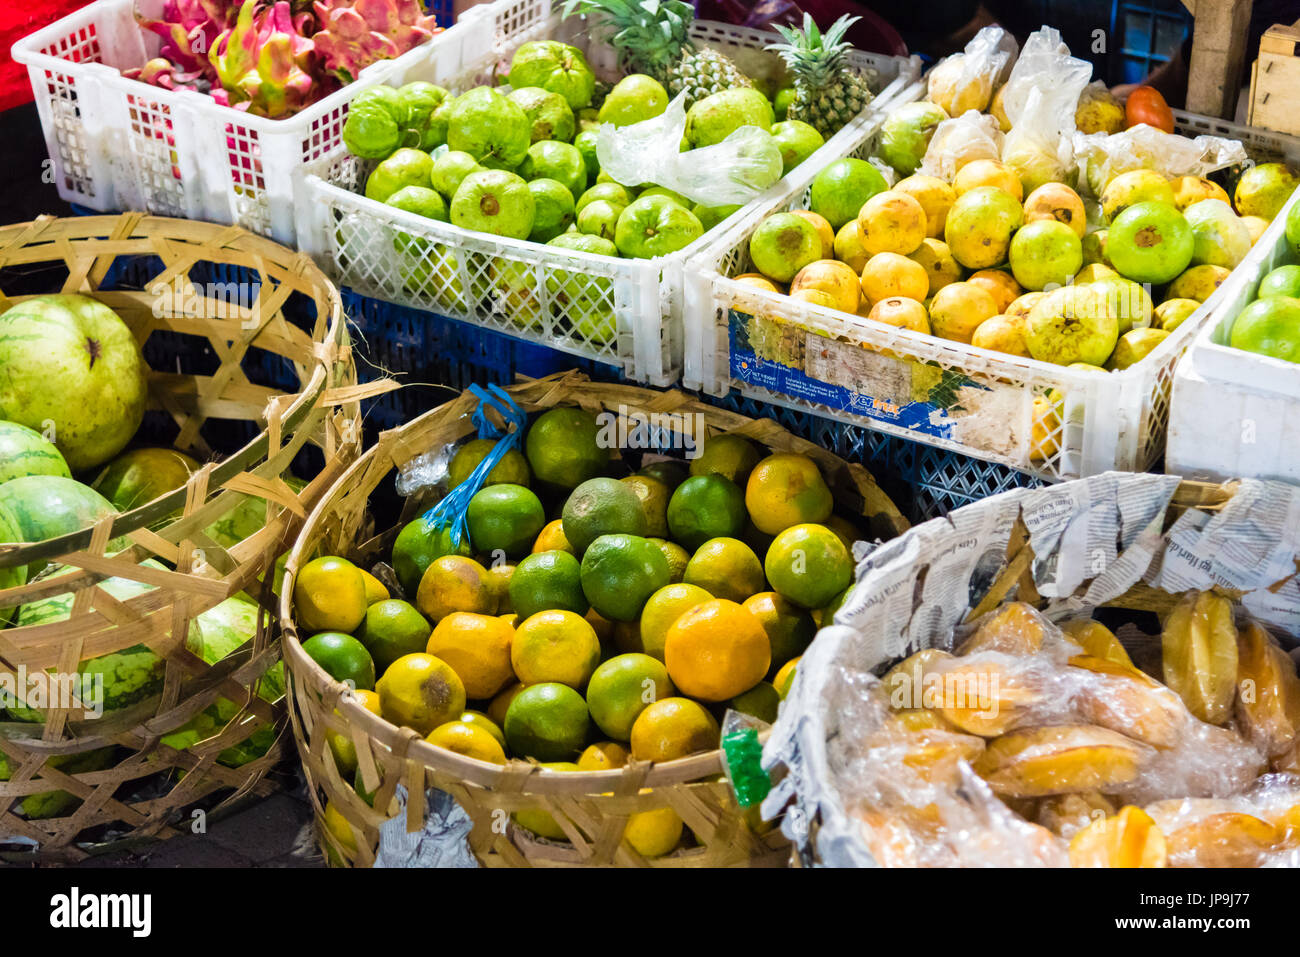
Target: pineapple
[(653, 37), (828, 92)]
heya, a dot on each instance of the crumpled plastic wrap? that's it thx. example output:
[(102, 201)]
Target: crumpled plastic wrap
[(1039, 100), (1101, 156), (734, 171), (968, 80), (971, 136)]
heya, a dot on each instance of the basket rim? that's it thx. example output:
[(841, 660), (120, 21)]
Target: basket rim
[(394, 737), (12, 554)]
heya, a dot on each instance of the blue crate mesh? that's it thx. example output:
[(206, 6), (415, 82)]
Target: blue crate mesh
[(444, 10)]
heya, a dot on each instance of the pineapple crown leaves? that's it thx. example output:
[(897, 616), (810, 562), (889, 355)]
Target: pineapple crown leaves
[(649, 33), (811, 52)]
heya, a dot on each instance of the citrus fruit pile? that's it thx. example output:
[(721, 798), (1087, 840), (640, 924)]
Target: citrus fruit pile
[(594, 614)]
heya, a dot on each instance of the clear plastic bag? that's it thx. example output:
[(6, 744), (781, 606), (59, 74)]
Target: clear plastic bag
[(1039, 101), (734, 171), (967, 80), (956, 142), (1101, 156)]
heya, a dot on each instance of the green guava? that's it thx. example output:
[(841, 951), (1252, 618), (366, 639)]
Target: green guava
[(714, 118), (905, 135), (585, 143), (655, 226), (1219, 236), (548, 112), (781, 102), (420, 200), (613, 192), (1150, 242), (1282, 281), (422, 101), (840, 190), (554, 209), (450, 168), (490, 128), (675, 196), (1270, 327), (494, 201), (797, 141), (710, 216), (1264, 189), (554, 66), (634, 99), (1045, 252), (1126, 300), (406, 167), (600, 218), (585, 243), (783, 244), (550, 159), (373, 129)]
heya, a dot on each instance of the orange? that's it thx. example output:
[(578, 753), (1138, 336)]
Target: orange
[(345, 752), (603, 756), (499, 705), (673, 728), (1002, 286), (809, 565), (887, 275), (677, 558), (547, 721), (454, 583), (653, 833), (762, 701), (726, 568), (375, 589), (498, 583), (731, 456), (662, 609), (551, 538), (789, 628), (785, 677), (480, 720), (717, 650), (466, 739), (329, 594), (540, 822), (555, 646), (785, 489), (654, 496), (421, 692), (622, 688), (337, 825), (478, 649)]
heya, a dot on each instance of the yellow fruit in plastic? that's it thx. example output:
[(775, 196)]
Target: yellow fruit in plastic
[(947, 87), (1098, 111), (1268, 692), (1129, 839), (1124, 699), (1057, 760), (1096, 640), (1199, 651), (1013, 629)]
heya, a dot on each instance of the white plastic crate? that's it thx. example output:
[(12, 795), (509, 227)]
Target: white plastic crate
[(562, 299), (1236, 414), (972, 401), (117, 143)]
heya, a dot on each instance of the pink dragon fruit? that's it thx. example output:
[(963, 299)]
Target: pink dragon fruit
[(264, 63), (189, 28), (355, 33)]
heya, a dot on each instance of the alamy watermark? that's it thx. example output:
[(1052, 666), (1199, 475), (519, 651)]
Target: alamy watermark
[(52, 690), (638, 430), (966, 690), (217, 300)]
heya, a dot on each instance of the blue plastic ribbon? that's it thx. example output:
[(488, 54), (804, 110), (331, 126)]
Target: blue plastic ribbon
[(450, 512)]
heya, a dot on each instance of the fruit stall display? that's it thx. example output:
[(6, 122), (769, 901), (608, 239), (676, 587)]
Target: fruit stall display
[(206, 109), (489, 203), (138, 559), (1051, 705), (994, 313), (1236, 397), (562, 668)]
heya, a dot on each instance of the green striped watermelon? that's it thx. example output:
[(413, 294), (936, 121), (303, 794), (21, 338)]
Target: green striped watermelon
[(129, 675), (25, 451), (214, 635), (246, 518), (46, 804), (48, 506), (14, 576)]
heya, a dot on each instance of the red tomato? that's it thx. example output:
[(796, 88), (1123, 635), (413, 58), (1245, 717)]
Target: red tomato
[(1146, 105)]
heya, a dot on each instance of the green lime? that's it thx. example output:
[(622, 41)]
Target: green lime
[(601, 506), (678, 558), (547, 721), (511, 470), (623, 687), (479, 720), (705, 507), (343, 658), (564, 447), (654, 496), (417, 548), (726, 568), (504, 518), (619, 572), (809, 565), (760, 701), (547, 580), (671, 473), (393, 628)]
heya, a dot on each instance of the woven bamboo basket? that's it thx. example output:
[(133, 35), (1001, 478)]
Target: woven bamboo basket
[(591, 807), (124, 783)]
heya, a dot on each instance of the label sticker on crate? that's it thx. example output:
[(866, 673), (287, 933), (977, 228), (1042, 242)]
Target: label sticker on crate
[(918, 396)]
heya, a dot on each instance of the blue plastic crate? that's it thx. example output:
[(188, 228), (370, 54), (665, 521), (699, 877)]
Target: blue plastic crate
[(923, 481), (444, 10), (1144, 35)]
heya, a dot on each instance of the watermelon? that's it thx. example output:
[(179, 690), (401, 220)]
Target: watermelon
[(25, 451), (17, 575), (246, 518), (214, 635), (48, 506), (46, 804), (129, 675), (139, 476)]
